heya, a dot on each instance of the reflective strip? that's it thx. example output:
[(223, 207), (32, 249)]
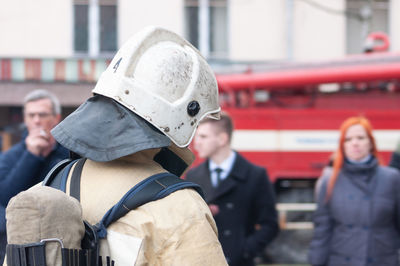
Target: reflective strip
[(303, 140)]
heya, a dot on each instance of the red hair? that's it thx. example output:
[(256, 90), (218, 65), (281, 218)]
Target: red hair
[(339, 155)]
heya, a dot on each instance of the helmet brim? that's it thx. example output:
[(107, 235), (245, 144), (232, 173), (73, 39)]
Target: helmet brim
[(103, 130)]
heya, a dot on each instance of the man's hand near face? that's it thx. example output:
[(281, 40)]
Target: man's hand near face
[(39, 142)]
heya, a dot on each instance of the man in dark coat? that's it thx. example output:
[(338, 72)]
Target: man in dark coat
[(28, 162), (238, 192), (395, 159)]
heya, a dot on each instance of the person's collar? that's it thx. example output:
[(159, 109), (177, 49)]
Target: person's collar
[(226, 165), (362, 161)]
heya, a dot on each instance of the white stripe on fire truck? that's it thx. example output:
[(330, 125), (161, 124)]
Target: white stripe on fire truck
[(303, 140)]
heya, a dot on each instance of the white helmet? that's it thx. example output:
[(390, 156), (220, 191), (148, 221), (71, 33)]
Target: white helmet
[(162, 78)]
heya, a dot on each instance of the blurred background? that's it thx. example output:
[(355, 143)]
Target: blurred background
[(289, 72)]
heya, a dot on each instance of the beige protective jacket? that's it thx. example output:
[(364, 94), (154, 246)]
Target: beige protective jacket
[(176, 230)]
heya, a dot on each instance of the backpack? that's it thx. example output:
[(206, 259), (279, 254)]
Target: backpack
[(152, 188)]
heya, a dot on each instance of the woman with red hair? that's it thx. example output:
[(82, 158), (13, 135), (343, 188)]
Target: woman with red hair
[(357, 221)]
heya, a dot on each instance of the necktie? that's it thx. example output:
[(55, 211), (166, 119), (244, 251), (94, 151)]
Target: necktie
[(218, 171)]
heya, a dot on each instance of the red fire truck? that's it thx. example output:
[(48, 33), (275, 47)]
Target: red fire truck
[(287, 115)]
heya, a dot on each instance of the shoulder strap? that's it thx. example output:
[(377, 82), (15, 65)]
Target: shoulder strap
[(152, 188), (55, 174), (58, 176), (75, 186)]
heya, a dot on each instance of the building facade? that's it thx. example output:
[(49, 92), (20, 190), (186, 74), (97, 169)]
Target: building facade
[(227, 29), (64, 45)]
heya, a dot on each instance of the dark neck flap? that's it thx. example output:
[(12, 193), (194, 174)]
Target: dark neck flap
[(170, 161)]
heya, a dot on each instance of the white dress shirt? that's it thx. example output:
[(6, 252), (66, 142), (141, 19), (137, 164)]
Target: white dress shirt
[(226, 167)]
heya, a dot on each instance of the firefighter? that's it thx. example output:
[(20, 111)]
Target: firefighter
[(143, 115)]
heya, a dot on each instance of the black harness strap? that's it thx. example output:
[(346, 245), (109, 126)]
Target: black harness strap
[(34, 254), (152, 188), (75, 186), (75, 257), (53, 178), (26, 255)]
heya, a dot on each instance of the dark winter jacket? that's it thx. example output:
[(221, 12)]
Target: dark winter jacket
[(3, 235), (20, 169), (247, 219), (395, 160), (360, 223)]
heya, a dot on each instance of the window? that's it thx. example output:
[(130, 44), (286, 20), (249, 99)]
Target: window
[(211, 36), (218, 28), (81, 28), (192, 19), (95, 38), (108, 28), (363, 18)]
